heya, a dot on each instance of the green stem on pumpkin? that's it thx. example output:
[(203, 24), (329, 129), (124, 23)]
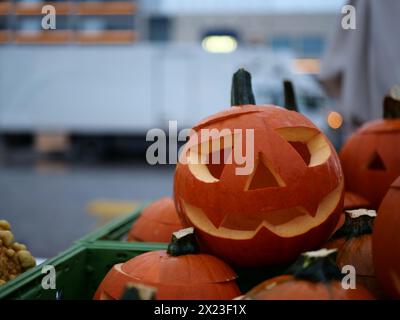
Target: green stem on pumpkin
[(391, 104), (316, 266), (290, 96), (183, 242), (357, 223), (241, 91)]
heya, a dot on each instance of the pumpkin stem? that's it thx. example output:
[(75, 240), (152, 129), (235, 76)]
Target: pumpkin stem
[(316, 266), (241, 91), (183, 242), (356, 223), (290, 96), (137, 291), (391, 104)]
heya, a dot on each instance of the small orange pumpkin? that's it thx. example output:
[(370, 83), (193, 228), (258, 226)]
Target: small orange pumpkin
[(369, 158), (386, 242), (353, 241), (290, 201), (314, 276), (156, 223), (177, 274)]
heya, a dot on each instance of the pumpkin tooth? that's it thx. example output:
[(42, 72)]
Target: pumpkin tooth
[(216, 218), (310, 208)]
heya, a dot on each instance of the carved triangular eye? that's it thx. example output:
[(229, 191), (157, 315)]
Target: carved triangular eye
[(376, 163), (207, 160), (216, 166), (311, 145), (302, 150), (264, 176)]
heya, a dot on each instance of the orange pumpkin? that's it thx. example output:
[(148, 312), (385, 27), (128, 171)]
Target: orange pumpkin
[(289, 202), (386, 242), (177, 274), (353, 241), (156, 222), (369, 158), (314, 276)]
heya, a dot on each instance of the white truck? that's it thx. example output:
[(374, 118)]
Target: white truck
[(98, 98)]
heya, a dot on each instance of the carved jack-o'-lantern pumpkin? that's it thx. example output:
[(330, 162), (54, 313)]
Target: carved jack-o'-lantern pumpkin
[(289, 202), (371, 157)]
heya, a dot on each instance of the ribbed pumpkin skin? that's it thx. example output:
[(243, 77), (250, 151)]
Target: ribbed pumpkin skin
[(288, 288), (156, 223), (227, 199), (186, 277), (355, 201), (386, 242), (358, 253), (381, 137)]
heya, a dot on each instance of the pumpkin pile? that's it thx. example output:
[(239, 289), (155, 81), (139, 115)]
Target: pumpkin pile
[(274, 196), (14, 257)]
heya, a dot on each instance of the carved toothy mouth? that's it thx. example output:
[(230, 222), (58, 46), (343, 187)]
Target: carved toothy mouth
[(284, 222)]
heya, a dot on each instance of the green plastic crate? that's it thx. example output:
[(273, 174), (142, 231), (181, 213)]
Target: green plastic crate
[(79, 271)]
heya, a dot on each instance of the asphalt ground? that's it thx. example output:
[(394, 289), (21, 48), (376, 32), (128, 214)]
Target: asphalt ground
[(47, 202)]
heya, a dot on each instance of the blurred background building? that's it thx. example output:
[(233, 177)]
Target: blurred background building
[(112, 70), (118, 68)]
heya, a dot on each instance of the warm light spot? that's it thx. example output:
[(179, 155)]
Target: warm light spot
[(334, 119), (306, 66), (219, 44)]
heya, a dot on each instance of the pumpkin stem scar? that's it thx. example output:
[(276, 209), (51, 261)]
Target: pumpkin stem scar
[(391, 104), (241, 91), (316, 266), (183, 242), (137, 291), (290, 96)]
